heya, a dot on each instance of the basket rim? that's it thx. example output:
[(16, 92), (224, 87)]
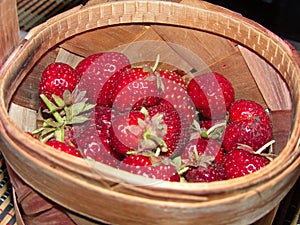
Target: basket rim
[(8, 128)]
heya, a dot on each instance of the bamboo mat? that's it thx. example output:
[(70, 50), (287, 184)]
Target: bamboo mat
[(7, 211)]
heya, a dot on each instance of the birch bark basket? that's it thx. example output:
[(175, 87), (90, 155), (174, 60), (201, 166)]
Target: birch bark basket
[(259, 64)]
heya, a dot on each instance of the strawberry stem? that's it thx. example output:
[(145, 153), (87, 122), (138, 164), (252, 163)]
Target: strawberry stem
[(158, 140), (52, 109), (60, 134), (214, 127), (156, 63), (262, 148), (183, 170)]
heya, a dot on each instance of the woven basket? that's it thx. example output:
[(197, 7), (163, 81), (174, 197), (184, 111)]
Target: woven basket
[(260, 65)]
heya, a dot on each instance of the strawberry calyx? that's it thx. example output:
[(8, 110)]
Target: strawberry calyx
[(61, 114), (261, 151), (151, 132), (198, 160), (214, 132)]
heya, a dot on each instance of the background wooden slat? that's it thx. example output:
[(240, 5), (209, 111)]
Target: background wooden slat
[(9, 28)]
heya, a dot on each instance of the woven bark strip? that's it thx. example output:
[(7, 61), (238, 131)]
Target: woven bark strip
[(193, 36), (35, 208)]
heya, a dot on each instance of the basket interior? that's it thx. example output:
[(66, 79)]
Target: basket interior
[(254, 63), (189, 50)]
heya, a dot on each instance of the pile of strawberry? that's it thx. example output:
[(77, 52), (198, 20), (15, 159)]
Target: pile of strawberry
[(153, 122)]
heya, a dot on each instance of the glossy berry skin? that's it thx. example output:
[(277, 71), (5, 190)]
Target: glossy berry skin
[(99, 73), (102, 117), (56, 78), (142, 165), (212, 94), (122, 138), (247, 132), (209, 147), (247, 109), (174, 93), (171, 119), (213, 172), (239, 163), (95, 145), (136, 160), (134, 89), (63, 147)]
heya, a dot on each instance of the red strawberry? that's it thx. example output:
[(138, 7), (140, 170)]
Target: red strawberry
[(142, 165), (246, 109), (125, 132), (240, 162), (209, 147), (136, 160), (56, 78), (137, 87), (63, 147), (95, 146), (171, 77), (174, 92), (102, 117), (212, 94), (209, 173), (174, 136), (99, 73), (248, 132), (157, 129)]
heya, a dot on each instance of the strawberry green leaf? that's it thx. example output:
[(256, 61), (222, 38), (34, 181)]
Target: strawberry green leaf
[(37, 131), (77, 108), (60, 134), (52, 108), (79, 119), (58, 101), (67, 97), (51, 123), (88, 107), (47, 137)]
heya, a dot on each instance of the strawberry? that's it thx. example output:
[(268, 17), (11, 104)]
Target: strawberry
[(209, 147), (102, 117), (209, 173), (248, 132), (95, 146), (212, 94), (174, 136), (240, 162), (56, 78), (142, 165), (136, 160), (157, 129), (170, 77), (202, 161), (246, 109), (248, 125), (140, 88), (174, 92), (99, 73), (125, 132), (61, 146)]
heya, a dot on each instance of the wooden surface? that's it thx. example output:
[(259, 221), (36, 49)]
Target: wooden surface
[(9, 38), (9, 28), (36, 160)]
